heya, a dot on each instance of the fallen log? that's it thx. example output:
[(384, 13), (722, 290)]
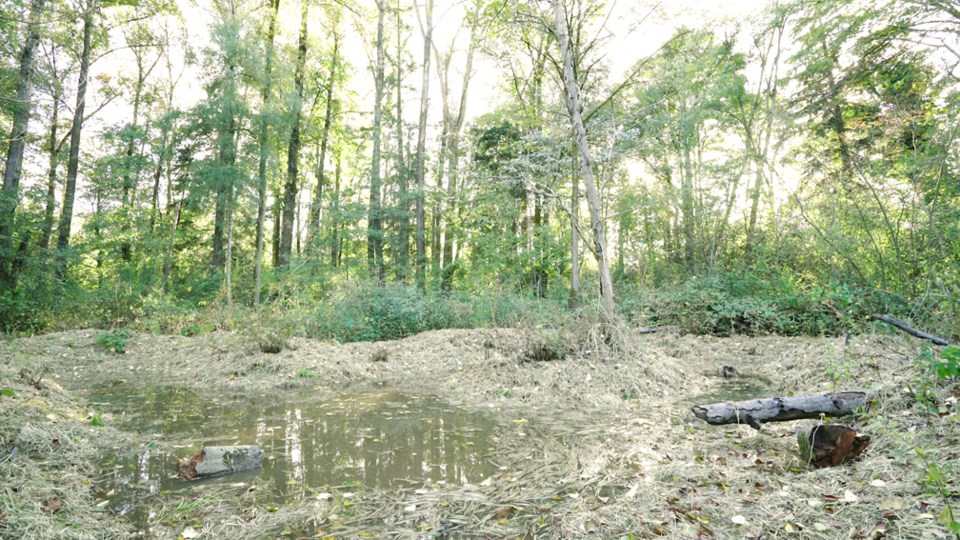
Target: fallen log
[(219, 460), (825, 445), (897, 323), (755, 412)]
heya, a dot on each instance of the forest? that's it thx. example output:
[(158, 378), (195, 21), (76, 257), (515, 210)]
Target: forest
[(544, 229), (788, 174)]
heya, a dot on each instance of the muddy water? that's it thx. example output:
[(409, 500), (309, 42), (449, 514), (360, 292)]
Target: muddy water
[(311, 445)]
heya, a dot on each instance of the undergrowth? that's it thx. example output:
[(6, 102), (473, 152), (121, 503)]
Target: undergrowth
[(721, 304)]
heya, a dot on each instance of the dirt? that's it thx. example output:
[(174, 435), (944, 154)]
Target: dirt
[(616, 451)]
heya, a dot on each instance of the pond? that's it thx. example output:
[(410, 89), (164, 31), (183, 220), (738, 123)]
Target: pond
[(310, 445)]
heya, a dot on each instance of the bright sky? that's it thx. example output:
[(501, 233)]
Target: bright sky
[(632, 32)]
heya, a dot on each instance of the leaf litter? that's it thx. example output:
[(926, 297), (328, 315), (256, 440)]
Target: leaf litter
[(603, 443)]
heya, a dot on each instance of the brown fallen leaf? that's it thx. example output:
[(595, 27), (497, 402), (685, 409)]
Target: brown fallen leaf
[(52, 505), (505, 512)]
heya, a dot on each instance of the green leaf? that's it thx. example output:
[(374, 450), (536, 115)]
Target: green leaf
[(6, 392)]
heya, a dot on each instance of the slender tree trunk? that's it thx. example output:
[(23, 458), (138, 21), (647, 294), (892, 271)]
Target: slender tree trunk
[(53, 148), (10, 195), (293, 150), (574, 300), (374, 219), (586, 165), (168, 258), (403, 210), (421, 270), (313, 223), (73, 161), (335, 221), (228, 268), (157, 175), (453, 161), (130, 177), (274, 6)]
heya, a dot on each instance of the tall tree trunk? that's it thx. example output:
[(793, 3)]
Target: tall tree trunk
[(455, 125), (274, 6), (313, 222), (403, 210), (374, 218), (168, 257), (157, 175), (227, 142), (130, 178), (421, 271), (586, 165), (293, 149), (53, 149), (73, 161), (10, 195), (573, 301), (335, 222)]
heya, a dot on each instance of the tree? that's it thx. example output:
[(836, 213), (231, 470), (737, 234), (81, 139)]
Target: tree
[(574, 108), (9, 197), (90, 10), (374, 213), (427, 32), (291, 190)]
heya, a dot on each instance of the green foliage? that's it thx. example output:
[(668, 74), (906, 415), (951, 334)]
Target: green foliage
[(114, 340), (97, 420), (948, 365), (304, 373), (754, 304), (375, 313)]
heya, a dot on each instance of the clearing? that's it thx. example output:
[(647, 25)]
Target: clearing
[(458, 434)]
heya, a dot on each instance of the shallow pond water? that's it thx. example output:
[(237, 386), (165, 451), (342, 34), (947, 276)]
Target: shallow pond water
[(310, 444)]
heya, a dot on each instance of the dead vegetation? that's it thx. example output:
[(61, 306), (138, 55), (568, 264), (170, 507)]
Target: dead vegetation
[(601, 442)]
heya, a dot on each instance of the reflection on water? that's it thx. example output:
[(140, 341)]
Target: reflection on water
[(734, 389), (384, 439)]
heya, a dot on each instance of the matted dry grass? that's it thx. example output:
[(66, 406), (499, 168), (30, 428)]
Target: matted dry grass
[(600, 444)]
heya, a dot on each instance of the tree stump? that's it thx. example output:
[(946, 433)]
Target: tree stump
[(826, 445), (219, 460)]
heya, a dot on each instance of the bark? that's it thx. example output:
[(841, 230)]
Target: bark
[(224, 196), (421, 245), (335, 239), (53, 153), (911, 330), (573, 302), (220, 460), (826, 445), (73, 160), (293, 149), (454, 126), (374, 218), (313, 221), (755, 412), (131, 177), (403, 212), (586, 166), (168, 258), (274, 6), (10, 195)]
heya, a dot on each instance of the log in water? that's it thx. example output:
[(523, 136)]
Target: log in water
[(218, 460)]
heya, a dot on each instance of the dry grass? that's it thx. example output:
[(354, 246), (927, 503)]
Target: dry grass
[(598, 444)]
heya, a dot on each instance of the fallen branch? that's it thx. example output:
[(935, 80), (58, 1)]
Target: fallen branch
[(755, 412), (911, 330)]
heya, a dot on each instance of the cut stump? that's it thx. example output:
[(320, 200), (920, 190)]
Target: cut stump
[(826, 445), (755, 412), (219, 460)]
